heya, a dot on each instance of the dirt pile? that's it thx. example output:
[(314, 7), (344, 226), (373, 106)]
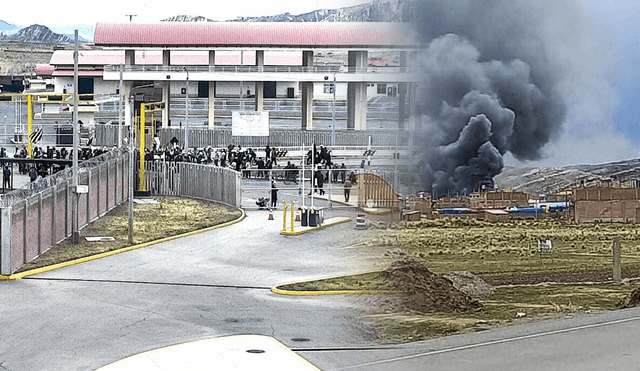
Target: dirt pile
[(631, 300), (427, 292)]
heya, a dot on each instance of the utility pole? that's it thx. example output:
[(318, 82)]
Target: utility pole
[(131, 16)]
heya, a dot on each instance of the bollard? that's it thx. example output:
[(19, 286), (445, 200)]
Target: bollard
[(617, 271), (293, 211), (284, 216)]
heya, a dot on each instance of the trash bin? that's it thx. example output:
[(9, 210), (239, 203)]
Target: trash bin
[(320, 217), (65, 134), (313, 217), (304, 216)]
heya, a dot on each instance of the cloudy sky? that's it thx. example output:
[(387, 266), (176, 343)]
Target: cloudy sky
[(603, 132)]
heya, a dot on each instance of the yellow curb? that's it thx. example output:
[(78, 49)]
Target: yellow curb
[(119, 251), (294, 233), (276, 290)]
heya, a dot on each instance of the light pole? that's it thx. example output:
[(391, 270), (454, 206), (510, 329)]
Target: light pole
[(186, 113), (131, 161), (75, 228), (121, 104)]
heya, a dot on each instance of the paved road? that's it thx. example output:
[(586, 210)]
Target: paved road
[(217, 283)]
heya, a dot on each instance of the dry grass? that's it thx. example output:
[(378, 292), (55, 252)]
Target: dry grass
[(170, 217), (499, 252)]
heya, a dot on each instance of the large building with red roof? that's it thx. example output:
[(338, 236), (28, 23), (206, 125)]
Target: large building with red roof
[(261, 60)]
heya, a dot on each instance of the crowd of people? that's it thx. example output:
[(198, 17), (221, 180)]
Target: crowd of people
[(249, 162), (42, 169)]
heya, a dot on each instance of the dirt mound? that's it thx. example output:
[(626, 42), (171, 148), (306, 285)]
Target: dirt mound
[(427, 291), (470, 284), (632, 300)]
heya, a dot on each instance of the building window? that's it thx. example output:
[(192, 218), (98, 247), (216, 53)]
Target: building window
[(382, 88), (85, 85), (328, 88)]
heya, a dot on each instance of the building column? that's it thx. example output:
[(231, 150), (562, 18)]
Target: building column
[(129, 60), (357, 93), (259, 84), (212, 91), (166, 91), (307, 93)]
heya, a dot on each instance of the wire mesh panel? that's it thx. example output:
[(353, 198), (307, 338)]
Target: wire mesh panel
[(17, 238), (61, 211), (31, 230), (46, 220)]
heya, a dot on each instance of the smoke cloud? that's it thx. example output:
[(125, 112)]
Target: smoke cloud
[(493, 77)]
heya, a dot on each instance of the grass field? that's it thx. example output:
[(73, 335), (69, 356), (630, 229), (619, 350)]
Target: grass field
[(169, 217), (506, 256)]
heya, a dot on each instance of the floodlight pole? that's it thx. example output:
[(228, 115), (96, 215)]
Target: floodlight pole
[(75, 234)]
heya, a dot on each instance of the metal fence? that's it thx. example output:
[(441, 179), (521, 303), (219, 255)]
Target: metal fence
[(193, 180), (36, 218), (107, 134)]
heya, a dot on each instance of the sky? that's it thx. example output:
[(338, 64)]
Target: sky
[(612, 133), (605, 132), (83, 12)]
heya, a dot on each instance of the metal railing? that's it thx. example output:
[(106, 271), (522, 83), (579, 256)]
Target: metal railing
[(193, 180), (107, 134), (260, 69)]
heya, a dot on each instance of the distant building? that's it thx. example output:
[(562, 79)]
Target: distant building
[(607, 204)]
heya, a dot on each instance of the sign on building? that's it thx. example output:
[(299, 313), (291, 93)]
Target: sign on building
[(250, 124)]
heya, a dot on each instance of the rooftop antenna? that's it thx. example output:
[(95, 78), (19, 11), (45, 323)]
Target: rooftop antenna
[(131, 16)]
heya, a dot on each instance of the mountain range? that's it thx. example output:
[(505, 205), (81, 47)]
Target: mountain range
[(38, 34), (376, 11)]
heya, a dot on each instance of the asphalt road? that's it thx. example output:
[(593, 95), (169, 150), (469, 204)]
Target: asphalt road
[(218, 283)]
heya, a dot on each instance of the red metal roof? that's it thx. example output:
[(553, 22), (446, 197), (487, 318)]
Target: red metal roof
[(80, 73), (178, 57), (88, 57), (256, 34), (44, 69)]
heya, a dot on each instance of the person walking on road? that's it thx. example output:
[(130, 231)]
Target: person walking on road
[(347, 190), (274, 194)]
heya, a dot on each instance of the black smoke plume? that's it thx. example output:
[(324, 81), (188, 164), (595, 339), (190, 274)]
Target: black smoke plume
[(491, 82)]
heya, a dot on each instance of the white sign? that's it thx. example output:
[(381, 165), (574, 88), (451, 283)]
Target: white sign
[(250, 124)]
